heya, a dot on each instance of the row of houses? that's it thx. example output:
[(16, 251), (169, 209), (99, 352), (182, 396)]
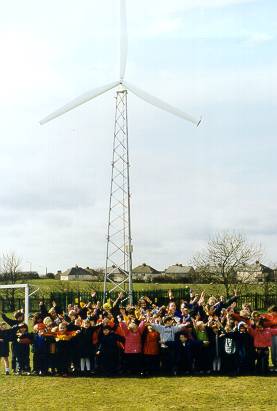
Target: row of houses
[(253, 273)]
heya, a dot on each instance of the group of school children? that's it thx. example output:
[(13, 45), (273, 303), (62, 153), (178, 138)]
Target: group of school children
[(199, 336)]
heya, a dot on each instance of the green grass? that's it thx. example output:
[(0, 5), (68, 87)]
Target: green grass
[(189, 393), (47, 286)]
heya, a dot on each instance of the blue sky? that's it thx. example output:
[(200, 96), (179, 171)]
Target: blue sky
[(215, 58)]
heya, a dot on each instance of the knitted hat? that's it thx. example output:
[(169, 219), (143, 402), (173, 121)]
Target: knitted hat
[(242, 324), (47, 321)]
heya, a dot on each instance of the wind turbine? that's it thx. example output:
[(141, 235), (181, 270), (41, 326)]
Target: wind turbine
[(118, 270)]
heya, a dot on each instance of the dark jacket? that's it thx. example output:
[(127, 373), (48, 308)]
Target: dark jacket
[(40, 344), (10, 321), (6, 336), (84, 341)]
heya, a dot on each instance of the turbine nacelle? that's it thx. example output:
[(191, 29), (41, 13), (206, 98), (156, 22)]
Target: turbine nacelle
[(84, 98)]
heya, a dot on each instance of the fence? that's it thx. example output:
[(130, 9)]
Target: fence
[(257, 301)]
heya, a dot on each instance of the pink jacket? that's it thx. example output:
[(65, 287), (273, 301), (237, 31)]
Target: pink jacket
[(262, 336), (132, 339)]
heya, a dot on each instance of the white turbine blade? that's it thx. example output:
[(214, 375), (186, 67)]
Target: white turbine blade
[(78, 101), (123, 39), (161, 104)]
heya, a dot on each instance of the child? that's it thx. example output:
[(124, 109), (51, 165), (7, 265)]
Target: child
[(22, 349), (133, 346), (38, 321), (51, 355), (74, 352), (85, 346), (185, 353), (18, 319), (214, 330), (151, 351), (168, 346), (6, 335), (40, 350), (108, 351), (63, 338), (262, 341), (245, 346), (229, 351), (203, 356), (271, 321)]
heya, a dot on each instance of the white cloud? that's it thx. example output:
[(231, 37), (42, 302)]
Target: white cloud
[(162, 26), (256, 39), (25, 66)]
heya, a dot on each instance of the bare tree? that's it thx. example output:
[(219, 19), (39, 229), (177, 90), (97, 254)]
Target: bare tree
[(227, 254), (9, 274), (10, 268)]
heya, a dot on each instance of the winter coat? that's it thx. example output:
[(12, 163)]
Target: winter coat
[(109, 352), (151, 344), (22, 343), (85, 343), (270, 320), (167, 333), (10, 321), (186, 352), (6, 336), (108, 343), (133, 343), (40, 344), (262, 336)]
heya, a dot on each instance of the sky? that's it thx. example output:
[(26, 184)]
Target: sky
[(214, 58)]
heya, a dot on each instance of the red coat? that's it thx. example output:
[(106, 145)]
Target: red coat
[(262, 336), (151, 344), (271, 320), (132, 339)]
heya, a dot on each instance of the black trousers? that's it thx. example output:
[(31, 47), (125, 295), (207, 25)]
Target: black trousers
[(168, 357), (262, 355), (63, 357), (151, 364), (13, 357), (23, 359), (40, 362), (133, 363)]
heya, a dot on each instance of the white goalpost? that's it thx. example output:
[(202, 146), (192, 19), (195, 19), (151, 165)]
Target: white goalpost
[(27, 295)]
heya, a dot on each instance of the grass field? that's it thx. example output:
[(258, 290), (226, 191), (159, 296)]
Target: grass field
[(188, 393), (47, 286)]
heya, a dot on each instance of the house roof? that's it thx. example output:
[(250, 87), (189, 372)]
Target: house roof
[(145, 269), (93, 272), (115, 270), (77, 271), (254, 268), (179, 269)]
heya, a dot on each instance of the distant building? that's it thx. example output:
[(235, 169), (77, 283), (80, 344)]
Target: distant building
[(79, 273), (274, 275), (183, 273), (255, 273), (116, 274), (144, 272)]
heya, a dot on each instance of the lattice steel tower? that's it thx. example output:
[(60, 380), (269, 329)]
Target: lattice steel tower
[(118, 270)]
